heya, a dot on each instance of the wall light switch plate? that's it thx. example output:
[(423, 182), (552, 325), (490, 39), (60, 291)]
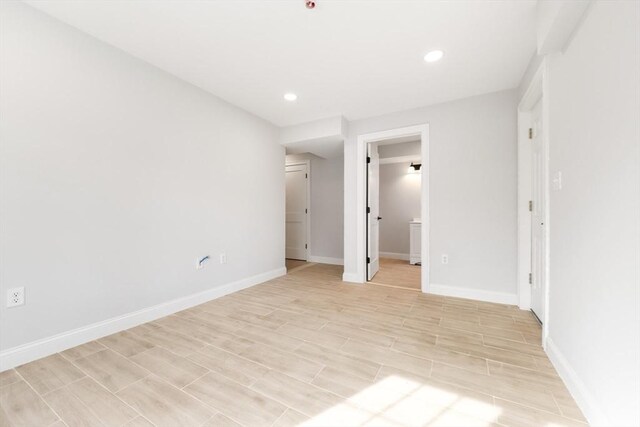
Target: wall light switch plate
[(557, 181), (223, 258), (15, 297), (445, 259)]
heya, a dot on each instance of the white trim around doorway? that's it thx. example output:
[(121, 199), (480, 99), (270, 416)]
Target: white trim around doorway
[(361, 188)]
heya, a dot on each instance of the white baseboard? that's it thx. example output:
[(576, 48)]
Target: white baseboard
[(351, 278), (326, 260), (394, 255), (576, 387), (47, 346), (477, 294)]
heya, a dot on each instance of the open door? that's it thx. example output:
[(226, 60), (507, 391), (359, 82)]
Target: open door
[(536, 206), (373, 211), (296, 211)]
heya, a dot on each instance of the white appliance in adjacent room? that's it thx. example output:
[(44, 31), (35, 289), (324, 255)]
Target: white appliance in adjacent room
[(415, 228)]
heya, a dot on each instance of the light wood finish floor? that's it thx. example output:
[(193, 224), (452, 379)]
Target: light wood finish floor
[(304, 349), (398, 273), (294, 263)]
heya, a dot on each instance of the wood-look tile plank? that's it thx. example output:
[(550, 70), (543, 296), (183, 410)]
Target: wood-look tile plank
[(229, 364), (484, 330), (490, 353), (9, 377), (291, 418), (523, 348), (340, 382), (20, 406), (163, 404), (236, 401), (71, 409), (111, 370), (126, 343), (50, 373), (197, 327), (219, 420), (508, 388), (440, 354), (83, 350), (278, 338), (362, 367), (182, 345), (138, 422), (433, 329), (290, 363), (388, 357), (351, 331), (301, 396), (108, 408), (320, 337), (514, 415), (567, 405), (169, 366), (535, 379), (303, 320), (417, 335)]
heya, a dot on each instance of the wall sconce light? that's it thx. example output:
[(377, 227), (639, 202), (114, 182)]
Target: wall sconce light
[(415, 167)]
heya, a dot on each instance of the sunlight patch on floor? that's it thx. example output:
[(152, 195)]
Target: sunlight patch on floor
[(400, 401)]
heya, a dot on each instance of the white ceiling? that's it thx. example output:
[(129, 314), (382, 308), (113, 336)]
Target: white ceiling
[(350, 58)]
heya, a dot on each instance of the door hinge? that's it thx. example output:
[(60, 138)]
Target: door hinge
[(368, 260), (306, 175), (530, 133), (530, 279), (306, 211), (305, 246), (368, 209), (530, 205), (368, 159)]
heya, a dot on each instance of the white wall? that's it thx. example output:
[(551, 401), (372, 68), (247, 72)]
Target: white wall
[(472, 190), (327, 214), (116, 177), (399, 204), (399, 149), (594, 137)]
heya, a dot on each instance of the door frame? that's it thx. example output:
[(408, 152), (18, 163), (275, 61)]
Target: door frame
[(308, 202), (361, 196), (538, 89)]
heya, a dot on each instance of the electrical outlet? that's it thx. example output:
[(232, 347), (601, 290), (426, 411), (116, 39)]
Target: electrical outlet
[(15, 297), (445, 259), (223, 258)]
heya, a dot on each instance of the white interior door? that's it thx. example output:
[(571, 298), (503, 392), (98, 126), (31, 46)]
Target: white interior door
[(373, 222), (296, 211), (537, 278)]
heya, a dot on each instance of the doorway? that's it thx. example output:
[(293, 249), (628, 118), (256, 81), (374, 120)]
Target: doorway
[(394, 220), (368, 226), (297, 221), (533, 196)]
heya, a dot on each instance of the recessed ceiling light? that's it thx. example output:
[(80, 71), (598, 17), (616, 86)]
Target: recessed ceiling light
[(290, 96), (434, 55)]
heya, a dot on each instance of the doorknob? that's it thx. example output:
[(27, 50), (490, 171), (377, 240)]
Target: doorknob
[(379, 218)]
